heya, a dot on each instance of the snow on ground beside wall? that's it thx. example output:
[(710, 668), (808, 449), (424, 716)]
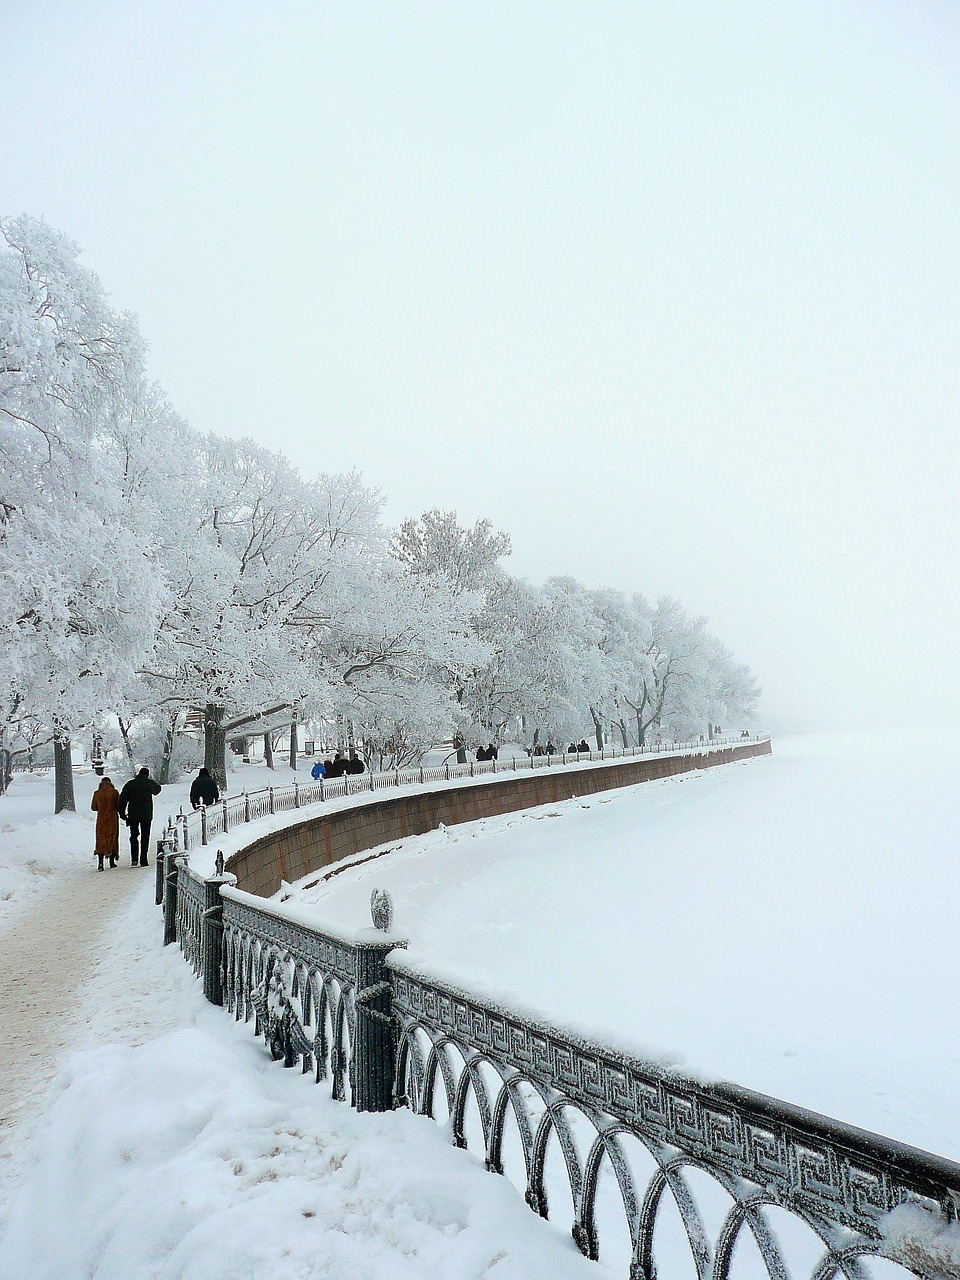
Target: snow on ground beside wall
[(789, 923), (173, 1148), (38, 848)]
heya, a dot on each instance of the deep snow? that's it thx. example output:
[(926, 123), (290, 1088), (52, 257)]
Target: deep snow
[(173, 1147), (785, 922)]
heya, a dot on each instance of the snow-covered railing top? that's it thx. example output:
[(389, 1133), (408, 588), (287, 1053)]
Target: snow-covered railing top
[(860, 1195), (632, 1136), (188, 831)]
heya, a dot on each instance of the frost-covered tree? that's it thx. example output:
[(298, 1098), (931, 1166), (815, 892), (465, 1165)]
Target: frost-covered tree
[(76, 596), (436, 547)]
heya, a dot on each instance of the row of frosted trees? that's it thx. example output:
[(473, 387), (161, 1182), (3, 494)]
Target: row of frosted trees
[(152, 577)]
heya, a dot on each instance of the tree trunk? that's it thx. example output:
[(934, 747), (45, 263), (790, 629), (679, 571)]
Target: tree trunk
[(597, 728), (641, 734), (169, 742), (293, 742), (268, 750), (215, 743), (124, 734), (624, 736), (63, 775), (461, 747)]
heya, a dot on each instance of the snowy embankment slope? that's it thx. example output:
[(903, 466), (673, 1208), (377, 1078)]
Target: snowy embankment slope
[(787, 923), (172, 1147)]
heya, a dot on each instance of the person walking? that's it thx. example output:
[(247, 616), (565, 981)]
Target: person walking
[(318, 771), (136, 809), (204, 789), (105, 800)]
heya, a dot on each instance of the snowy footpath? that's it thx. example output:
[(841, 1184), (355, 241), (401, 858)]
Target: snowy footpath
[(787, 922), (170, 1146)]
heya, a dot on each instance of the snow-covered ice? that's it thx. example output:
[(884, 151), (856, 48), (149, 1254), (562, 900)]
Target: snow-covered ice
[(788, 923)]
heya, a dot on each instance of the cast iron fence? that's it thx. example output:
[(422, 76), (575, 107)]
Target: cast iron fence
[(576, 1123), (188, 831)]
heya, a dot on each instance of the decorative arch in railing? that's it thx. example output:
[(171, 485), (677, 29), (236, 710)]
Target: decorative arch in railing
[(727, 1171), (751, 1157)]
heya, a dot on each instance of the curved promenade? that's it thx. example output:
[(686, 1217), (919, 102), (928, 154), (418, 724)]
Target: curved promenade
[(321, 839), (354, 1010)]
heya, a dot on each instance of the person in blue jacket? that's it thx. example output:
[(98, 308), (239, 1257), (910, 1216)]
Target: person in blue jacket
[(318, 771)]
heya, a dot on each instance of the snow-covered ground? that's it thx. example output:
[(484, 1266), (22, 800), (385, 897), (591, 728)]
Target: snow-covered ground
[(171, 1147), (788, 923), (37, 848)]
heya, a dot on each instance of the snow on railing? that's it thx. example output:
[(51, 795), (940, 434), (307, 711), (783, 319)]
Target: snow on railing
[(352, 1009), (188, 831)]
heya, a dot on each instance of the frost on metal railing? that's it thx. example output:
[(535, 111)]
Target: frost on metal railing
[(731, 1172), (318, 997), (190, 906), (188, 831)]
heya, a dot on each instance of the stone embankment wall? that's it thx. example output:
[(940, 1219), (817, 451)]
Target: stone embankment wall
[(319, 841)]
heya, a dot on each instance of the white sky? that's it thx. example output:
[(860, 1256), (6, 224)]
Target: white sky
[(669, 291)]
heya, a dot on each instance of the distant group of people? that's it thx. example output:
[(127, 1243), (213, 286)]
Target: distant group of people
[(550, 750), (338, 767), (134, 806), (489, 752)]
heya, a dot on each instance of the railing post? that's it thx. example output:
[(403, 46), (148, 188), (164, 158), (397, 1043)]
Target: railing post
[(421, 775), (447, 763), (164, 851), (171, 870), (471, 768), (211, 933), (296, 794), (270, 789), (372, 1064), (246, 806), (226, 822), (203, 823), (371, 779)]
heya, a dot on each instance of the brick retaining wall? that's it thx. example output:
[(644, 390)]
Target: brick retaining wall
[(318, 841)]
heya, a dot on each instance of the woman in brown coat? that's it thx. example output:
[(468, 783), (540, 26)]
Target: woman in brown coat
[(104, 803)]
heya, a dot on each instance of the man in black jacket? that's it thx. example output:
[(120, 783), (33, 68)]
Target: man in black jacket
[(136, 810), (204, 789)]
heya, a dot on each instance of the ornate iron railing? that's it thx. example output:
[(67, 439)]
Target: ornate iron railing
[(188, 831), (651, 1130), (318, 998), (190, 906), (570, 1120)]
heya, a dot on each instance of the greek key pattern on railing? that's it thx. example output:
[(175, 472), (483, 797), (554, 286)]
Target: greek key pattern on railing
[(189, 830), (190, 907), (297, 983), (760, 1153)]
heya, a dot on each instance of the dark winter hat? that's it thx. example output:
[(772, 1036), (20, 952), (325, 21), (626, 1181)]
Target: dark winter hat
[(144, 771)]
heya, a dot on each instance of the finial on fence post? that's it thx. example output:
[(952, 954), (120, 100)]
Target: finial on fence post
[(219, 862), (381, 910)]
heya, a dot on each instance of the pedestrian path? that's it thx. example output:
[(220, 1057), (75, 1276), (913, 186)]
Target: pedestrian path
[(47, 955)]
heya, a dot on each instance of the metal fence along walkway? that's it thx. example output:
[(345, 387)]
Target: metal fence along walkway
[(350, 1009)]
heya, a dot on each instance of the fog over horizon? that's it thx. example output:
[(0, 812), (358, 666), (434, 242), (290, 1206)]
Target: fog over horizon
[(670, 294)]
